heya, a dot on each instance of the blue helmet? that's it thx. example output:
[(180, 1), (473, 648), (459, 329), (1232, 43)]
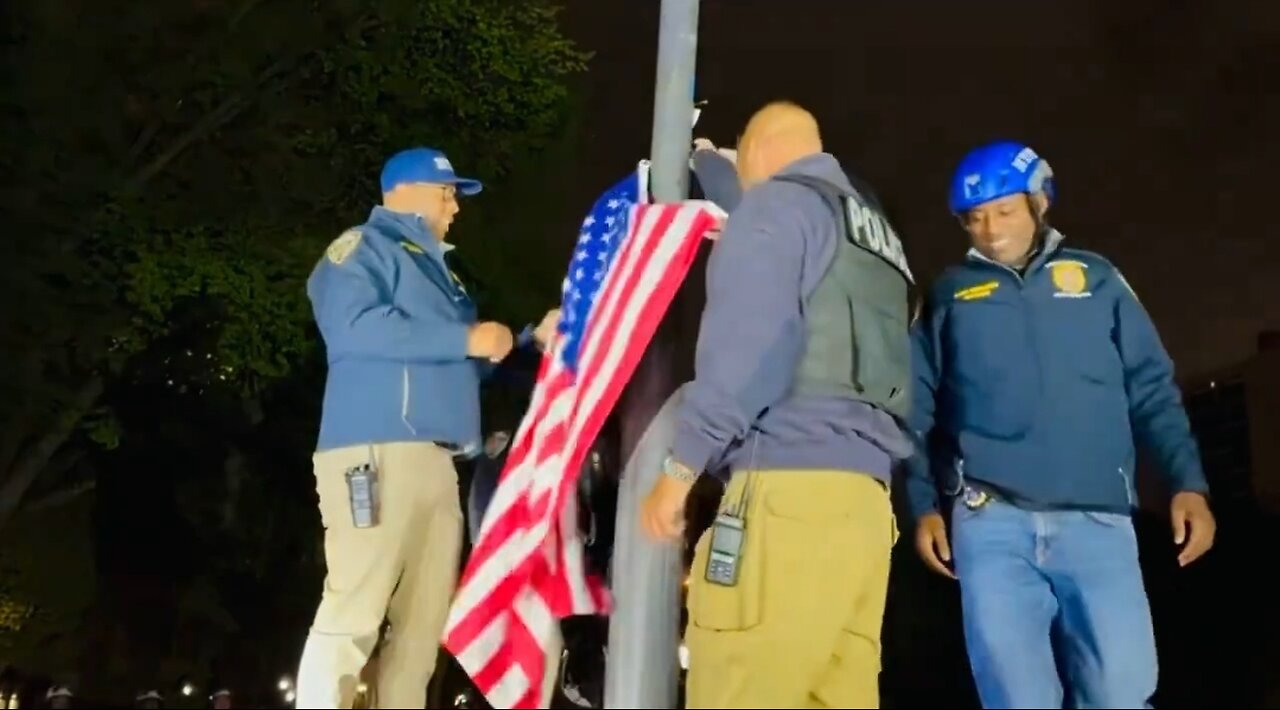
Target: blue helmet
[(996, 170)]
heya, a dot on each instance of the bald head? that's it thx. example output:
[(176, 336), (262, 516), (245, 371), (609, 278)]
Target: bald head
[(777, 135)]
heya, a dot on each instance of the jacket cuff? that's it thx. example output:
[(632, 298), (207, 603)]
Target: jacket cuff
[(693, 450), (921, 506), (1190, 484)]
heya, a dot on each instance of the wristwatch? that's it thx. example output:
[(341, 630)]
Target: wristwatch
[(678, 471)]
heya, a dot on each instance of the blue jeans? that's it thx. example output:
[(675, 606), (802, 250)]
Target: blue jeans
[(1053, 603)]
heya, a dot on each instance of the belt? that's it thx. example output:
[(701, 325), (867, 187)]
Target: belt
[(977, 496)]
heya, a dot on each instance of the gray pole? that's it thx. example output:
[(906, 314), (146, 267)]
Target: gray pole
[(673, 100), (644, 631)]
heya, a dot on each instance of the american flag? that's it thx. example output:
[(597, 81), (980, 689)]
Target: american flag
[(526, 571)]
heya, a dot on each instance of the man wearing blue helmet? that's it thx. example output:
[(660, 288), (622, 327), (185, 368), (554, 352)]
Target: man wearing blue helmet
[(406, 355), (1036, 368)]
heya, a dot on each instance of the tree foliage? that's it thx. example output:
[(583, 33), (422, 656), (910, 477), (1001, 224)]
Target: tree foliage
[(171, 172), (47, 585), (175, 170)]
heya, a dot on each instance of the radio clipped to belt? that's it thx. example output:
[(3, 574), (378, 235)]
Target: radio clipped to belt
[(362, 493), (728, 532)]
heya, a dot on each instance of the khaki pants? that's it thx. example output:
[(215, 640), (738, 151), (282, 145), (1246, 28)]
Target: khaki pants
[(801, 628), (403, 570)]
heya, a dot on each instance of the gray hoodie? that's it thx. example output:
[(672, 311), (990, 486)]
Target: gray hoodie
[(738, 412), (718, 178)]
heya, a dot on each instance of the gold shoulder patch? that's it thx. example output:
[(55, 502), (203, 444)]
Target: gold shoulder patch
[(342, 247)]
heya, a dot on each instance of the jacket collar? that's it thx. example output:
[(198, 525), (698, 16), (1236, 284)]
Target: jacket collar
[(412, 227), (1049, 244)]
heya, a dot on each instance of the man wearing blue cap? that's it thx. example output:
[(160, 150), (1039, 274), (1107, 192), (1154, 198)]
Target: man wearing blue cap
[(406, 355)]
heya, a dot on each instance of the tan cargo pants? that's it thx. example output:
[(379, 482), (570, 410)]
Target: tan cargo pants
[(801, 628), (402, 570)]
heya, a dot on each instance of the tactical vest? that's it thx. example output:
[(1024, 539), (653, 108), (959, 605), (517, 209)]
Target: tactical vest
[(858, 318)]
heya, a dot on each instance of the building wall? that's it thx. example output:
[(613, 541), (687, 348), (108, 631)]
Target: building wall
[(1235, 415), (1263, 384)]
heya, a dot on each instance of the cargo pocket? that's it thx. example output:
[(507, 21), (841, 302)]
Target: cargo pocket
[(849, 575), (713, 607)]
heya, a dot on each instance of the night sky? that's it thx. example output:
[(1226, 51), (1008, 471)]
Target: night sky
[(1155, 115)]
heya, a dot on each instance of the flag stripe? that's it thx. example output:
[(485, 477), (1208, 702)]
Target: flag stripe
[(508, 520), (522, 446), (526, 570)]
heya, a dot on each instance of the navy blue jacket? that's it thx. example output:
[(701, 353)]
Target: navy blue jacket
[(1036, 386)]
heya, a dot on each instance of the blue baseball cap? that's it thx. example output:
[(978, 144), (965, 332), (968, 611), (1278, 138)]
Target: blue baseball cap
[(424, 165)]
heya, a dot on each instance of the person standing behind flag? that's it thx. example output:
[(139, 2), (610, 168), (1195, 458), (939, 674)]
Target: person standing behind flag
[(1036, 366), (526, 570), (406, 356), (802, 369)]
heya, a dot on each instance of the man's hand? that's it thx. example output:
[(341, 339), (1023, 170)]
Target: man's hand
[(932, 545), (545, 333), (490, 340), (1193, 524), (662, 513)]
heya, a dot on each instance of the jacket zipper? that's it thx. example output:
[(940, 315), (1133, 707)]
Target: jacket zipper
[(1124, 477), (1023, 306), (404, 399), (1128, 489)]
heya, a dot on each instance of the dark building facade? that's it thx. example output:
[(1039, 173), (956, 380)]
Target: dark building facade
[(1235, 415)]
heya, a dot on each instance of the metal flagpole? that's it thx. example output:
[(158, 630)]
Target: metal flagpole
[(644, 630), (644, 634), (673, 99)]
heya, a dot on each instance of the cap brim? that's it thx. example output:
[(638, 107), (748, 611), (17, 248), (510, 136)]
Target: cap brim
[(467, 186)]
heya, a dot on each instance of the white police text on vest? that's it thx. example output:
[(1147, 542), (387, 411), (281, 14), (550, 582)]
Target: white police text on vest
[(869, 230)]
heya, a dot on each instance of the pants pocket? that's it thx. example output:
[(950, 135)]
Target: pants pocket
[(1111, 520)]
